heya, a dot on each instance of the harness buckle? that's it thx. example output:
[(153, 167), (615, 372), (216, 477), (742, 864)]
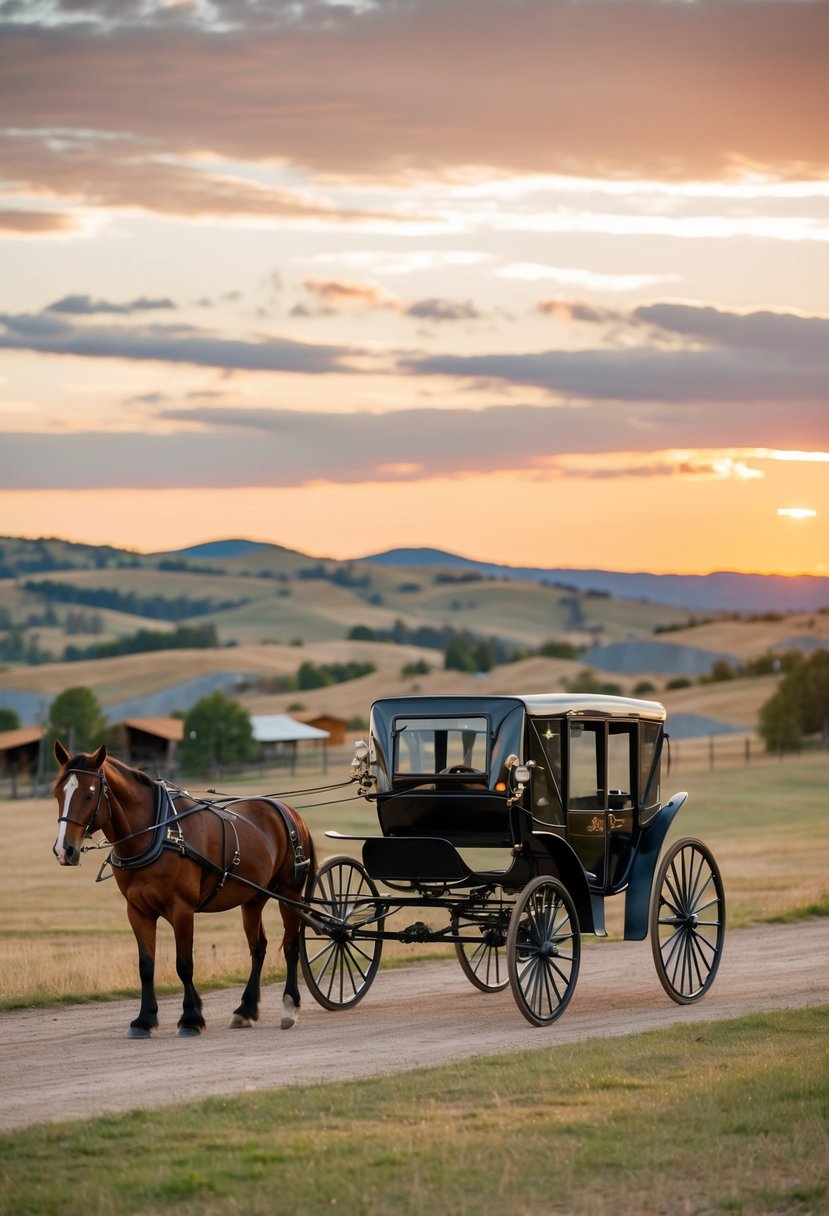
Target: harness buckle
[(175, 836)]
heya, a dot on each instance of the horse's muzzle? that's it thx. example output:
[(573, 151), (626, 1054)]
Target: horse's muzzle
[(69, 856)]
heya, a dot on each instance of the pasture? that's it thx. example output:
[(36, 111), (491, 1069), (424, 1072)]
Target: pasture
[(65, 937), (724, 1117)]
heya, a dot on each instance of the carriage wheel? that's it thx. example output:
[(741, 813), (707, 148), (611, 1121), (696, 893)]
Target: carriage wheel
[(687, 920), (543, 950), (339, 965), (483, 961)]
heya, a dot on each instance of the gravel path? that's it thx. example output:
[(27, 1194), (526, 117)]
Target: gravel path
[(76, 1062)]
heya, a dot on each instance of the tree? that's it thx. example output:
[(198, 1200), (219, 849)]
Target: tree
[(217, 733), (458, 655), (799, 707), (76, 718), (9, 719)]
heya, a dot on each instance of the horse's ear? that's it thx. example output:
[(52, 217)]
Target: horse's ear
[(100, 756), (61, 754)]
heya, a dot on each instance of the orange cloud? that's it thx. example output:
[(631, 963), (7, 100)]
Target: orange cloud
[(641, 88)]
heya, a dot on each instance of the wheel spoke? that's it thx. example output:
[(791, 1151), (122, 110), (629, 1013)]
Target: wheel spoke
[(543, 950), (687, 949), (339, 969)]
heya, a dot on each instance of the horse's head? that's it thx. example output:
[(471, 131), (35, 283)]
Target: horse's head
[(80, 790)]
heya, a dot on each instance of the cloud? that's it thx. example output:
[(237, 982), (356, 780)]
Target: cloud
[(336, 296), (643, 88), (49, 334), (580, 310), (225, 446), (85, 306), (35, 223), (717, 357), (435, 309), (789, 334), (99, 169)]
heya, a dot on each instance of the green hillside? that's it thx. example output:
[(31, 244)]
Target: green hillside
[(260, 613), (56, 593)]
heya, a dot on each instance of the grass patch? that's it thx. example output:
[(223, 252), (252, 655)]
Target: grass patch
[(700, 1118), (806, 911)]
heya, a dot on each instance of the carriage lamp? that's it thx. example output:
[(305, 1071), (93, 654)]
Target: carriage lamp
[(520, 775), (359, 765)]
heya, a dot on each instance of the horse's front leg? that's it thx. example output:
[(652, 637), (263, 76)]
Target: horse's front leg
[(290, 948), (191, 1021), (248, 1010), (144, 927)]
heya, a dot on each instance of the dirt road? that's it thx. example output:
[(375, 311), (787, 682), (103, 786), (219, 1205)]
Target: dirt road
[(76, 1062)]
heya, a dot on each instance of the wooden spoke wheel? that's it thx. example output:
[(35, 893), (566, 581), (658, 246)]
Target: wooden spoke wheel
[(484, 959), (339, 963), (687, 920), (543, 950)]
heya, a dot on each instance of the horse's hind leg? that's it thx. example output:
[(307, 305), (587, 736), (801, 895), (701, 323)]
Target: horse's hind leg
[(290, 948), (191, 1021), (248, 1011), (144, 928)]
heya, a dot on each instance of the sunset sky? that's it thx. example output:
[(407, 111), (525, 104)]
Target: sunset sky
[(543, 282)]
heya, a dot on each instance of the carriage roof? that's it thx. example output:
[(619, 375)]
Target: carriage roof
[(568, 704)]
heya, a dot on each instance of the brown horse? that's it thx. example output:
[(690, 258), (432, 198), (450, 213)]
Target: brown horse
[(173, 856)]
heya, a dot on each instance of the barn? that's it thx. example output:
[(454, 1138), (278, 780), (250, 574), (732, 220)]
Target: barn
[(280, 735)]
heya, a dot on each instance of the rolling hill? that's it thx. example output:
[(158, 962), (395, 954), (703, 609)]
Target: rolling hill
[(273, 608)]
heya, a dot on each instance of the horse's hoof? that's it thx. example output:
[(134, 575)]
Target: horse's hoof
[(290, 1013), (188, 1032), (237, 1022), (138, 1032)]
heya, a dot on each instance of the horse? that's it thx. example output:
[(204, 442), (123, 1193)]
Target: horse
[(173, 856)]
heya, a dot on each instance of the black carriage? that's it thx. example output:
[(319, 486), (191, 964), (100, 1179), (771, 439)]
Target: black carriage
[(517, 816)]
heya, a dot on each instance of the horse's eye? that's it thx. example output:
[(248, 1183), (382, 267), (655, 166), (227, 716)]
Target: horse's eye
[(89, 793)]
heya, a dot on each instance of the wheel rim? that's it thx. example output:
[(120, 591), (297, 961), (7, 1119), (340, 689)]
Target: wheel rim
[(689, 921), (543, 951), (338, 967), (483, 962)]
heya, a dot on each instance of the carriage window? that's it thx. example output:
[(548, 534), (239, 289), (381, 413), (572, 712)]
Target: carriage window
[(651, 742), (545, 742), (433, 745), (621, 761), (585, 783)]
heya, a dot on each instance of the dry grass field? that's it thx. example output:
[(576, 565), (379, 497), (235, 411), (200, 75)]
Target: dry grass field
[(63, 936)]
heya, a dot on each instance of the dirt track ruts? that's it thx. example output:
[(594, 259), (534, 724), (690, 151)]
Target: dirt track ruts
[(76, 1062)]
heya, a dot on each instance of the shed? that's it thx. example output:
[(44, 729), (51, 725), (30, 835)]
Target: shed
[(19, 754), (335, 726), (279, 735), (151, 743)]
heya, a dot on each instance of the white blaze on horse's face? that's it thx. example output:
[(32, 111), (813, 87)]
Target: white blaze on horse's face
[(69, 788)]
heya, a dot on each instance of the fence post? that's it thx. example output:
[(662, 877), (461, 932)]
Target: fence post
[(711, 751)]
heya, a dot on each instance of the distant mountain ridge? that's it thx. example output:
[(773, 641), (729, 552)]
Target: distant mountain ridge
[(218, 549), (723, 591)]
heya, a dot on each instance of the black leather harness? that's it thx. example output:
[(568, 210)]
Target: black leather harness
[(167, 833)]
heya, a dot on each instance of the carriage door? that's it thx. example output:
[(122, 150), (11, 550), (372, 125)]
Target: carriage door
[(586, 807), (602, 770)]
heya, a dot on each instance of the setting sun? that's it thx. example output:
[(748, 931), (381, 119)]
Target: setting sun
[(796, 512)]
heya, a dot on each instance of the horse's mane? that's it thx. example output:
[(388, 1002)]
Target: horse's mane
[(135, 773)]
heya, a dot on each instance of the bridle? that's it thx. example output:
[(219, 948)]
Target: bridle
[(103, 794)]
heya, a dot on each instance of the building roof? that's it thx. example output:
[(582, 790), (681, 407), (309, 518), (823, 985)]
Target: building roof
[(19, 738), (280, 728), (164, 728)]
